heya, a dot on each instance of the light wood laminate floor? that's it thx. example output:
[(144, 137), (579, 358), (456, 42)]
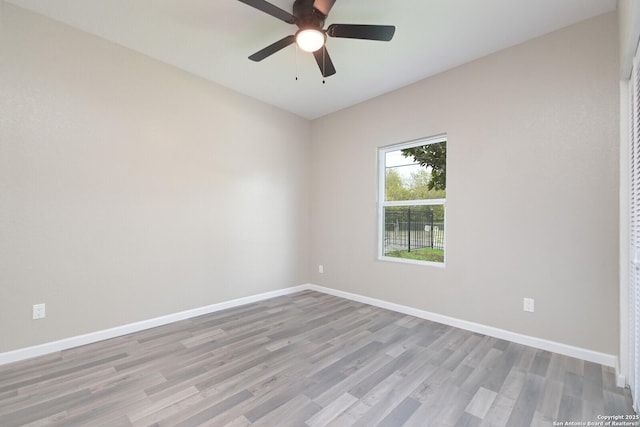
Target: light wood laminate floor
[(307, 359)]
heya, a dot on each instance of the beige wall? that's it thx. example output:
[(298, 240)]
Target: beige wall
[(130, 189), (532, 185)]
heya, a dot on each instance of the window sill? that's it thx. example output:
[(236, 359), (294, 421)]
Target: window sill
[(412, 261)]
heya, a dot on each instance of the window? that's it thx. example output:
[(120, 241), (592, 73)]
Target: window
[(412, 201)]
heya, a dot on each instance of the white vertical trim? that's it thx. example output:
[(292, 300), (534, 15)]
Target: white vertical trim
[(625, 100), (633, 267)]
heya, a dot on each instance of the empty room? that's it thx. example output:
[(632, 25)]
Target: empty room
[(319, 213)]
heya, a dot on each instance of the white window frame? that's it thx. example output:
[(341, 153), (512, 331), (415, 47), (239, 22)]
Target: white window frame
[(382, 203)]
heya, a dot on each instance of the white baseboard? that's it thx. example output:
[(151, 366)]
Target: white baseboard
[(556, 347), (568, 350), (63, 344)]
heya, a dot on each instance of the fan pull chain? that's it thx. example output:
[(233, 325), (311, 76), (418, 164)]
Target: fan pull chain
[(324, 52), (296, 62)]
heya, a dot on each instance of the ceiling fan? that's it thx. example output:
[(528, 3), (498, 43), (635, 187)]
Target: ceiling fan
[(309, 16)]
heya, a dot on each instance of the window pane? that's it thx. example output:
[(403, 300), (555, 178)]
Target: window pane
[(416, 173), (414, 232)]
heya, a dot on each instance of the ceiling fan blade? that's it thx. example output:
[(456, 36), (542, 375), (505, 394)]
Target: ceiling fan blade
[(323, 6), (272, 48), (365, 32), (324, 62), (272, 10)]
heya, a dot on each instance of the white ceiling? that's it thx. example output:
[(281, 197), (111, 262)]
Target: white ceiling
[(213, 38)]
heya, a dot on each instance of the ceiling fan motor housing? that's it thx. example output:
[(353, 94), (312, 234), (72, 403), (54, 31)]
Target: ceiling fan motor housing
[(307, 16)]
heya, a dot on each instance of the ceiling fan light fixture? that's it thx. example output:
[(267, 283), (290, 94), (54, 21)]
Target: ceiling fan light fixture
[(310, 39)]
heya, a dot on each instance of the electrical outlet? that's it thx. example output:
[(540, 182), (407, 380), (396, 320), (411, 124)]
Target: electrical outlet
[(528, 305), (321, 269), (39, 311)]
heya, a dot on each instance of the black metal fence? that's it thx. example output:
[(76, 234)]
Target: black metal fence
[(410, 228)]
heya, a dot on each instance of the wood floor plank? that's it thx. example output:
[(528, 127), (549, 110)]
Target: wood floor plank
[(332, 410), (481, 402), (400, 414), (527, 401), (500, 411), (549, 403), (374, 363), (307, 359)]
